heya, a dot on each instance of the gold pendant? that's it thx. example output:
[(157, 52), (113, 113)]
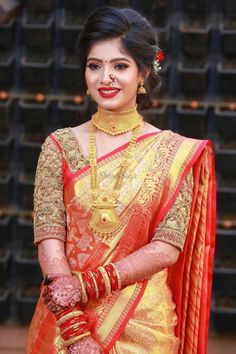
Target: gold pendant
[(105, 218)]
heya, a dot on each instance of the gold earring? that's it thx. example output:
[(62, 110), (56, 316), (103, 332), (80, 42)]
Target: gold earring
[(88, 93), (141, 89)]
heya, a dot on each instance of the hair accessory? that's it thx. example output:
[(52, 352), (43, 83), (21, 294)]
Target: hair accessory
[(141, 88), (156, 64)]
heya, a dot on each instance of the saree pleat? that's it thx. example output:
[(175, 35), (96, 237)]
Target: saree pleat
[(169, 313), (192, 293)]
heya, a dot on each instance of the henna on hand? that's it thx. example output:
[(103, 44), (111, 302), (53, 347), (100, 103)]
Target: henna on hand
[(63, 292), (52, 258), (145, 262), (86, 345)]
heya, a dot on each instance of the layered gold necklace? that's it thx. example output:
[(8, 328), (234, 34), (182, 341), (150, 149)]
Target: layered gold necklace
[(105, 218)]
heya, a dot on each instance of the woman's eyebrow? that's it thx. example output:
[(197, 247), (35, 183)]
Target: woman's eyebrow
[(111, 61)]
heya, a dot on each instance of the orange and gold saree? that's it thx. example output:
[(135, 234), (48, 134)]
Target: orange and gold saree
[(158, 315)]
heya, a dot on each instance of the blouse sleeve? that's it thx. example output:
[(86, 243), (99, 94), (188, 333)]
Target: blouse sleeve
[(49, 210), (174, 226)]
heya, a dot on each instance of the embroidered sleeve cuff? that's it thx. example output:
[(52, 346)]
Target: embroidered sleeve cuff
[(172, 237), (44, 233)]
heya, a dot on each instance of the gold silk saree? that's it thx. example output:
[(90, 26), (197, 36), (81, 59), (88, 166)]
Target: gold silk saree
[(158, 315)]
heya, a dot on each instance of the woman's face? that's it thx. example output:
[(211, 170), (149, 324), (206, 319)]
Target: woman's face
[(106, 59)]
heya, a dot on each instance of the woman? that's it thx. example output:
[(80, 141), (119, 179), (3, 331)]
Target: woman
[(124, 212)]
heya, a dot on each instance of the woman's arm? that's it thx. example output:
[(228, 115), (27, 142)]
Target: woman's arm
[(167, 241), (49, 221), (146, 261), (52, 259), (49, 234)]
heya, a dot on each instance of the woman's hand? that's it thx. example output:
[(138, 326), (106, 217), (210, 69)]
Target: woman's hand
[(86, 345), (64, 291)]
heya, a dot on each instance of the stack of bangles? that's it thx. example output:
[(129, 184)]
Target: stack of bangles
[(73, 325), (99, 283)]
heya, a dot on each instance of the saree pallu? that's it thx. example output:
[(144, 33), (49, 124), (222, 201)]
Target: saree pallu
[(141, 317)]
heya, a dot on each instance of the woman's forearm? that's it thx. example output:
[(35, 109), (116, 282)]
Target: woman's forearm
[(146, 261), (52, 258)]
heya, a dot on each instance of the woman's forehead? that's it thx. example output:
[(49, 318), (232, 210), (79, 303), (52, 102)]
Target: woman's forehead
[(108, 49)]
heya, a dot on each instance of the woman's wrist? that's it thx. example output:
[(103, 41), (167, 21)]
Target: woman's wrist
[(73, 325), (99, 283)]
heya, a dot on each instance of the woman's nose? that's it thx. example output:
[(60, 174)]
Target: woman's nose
[(106, 78)]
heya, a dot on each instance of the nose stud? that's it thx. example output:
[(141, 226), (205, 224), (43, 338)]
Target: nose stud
[(112, 77)]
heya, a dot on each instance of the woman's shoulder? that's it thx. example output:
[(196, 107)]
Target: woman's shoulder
[(149, 128), (176, 141), (65, 142), (176, 136), (59, 139)]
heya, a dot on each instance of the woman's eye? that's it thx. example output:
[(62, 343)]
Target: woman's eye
[(93, 66), (121, 66)]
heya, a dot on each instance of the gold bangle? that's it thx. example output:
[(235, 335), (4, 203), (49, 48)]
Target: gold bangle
[(68, 315), (106, 280), (118, 275), (95, 284), (83, 290), (73, 340)]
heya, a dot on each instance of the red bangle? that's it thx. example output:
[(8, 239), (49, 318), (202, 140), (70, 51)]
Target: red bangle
[(89, 285), (100, 283), (67, 311), (72, 321), (75, 332), (112, 276)]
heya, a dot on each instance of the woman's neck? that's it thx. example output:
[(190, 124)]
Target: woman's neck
[(116, 122)]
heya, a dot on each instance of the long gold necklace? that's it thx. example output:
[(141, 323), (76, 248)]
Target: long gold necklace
[(105, 218)]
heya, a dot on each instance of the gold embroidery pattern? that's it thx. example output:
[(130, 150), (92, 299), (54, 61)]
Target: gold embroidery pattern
[(70, 149), (49, 211), (153, 318), (165, 150), (173, 227)]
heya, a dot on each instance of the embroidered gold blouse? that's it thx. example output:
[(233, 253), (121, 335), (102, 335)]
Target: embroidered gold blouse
[(49, 208)]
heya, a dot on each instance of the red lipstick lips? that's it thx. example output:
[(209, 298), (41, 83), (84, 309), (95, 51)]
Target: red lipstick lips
[(108, 92)]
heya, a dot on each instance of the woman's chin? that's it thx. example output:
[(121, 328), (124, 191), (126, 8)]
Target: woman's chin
[(114, 105)]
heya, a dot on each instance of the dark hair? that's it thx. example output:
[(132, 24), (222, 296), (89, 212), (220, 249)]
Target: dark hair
[(138, 38)]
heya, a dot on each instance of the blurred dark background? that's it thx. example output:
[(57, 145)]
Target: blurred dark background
[(39, 93)]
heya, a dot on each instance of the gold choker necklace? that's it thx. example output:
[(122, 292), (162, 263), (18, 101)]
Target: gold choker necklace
[(115, 123)]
